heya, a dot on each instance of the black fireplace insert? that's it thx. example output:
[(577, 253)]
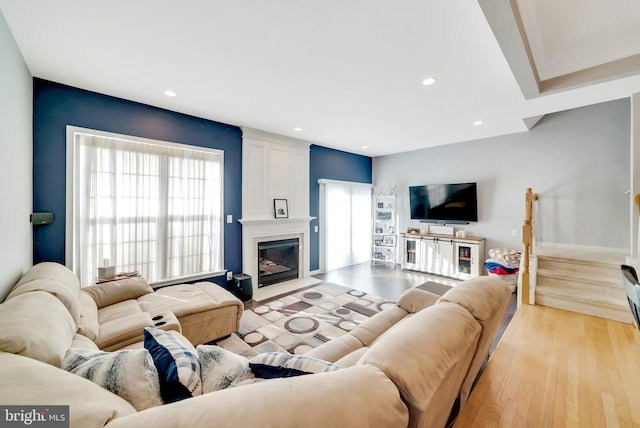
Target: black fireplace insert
[(277, 261)]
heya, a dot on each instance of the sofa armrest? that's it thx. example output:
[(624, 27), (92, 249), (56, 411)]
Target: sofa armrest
[(31, 382), (123, 331), (371, 329), (336, 348), (367, 398), (427, 358)]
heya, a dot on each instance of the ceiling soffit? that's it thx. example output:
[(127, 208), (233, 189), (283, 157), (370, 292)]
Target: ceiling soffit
[(553, 46)]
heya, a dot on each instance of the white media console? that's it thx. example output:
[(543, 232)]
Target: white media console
[(460, 258)]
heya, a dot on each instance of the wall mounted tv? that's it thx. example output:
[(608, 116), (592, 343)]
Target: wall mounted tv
[(444, 203)]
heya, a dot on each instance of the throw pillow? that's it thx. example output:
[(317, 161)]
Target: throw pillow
[(281, 364), (221, 369), (129, 374), (177, 362)]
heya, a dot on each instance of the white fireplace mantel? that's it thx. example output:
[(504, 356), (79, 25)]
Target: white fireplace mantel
[(263, 221)]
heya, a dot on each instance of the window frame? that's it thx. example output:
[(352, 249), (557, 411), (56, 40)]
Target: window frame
[(71, 189)]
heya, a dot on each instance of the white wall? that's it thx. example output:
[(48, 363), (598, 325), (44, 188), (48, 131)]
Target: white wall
[(576, 160), (16, 106), (634, 180)]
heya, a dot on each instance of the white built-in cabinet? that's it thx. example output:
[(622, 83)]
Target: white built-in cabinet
[(460, 258), (274, 167)]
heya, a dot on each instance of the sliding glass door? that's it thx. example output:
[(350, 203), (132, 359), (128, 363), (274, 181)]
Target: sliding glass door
[(345, 210)]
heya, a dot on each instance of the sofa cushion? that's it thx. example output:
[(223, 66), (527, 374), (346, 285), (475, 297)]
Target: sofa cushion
[(118, 310), (206, 311), (36, 325), (80, 341), (108, 293), (88, 325), (270, 365), (29, 382), (54, 278), (52, 271), (128, 374), (61, 291), (124, 331), (352, 359), (220, 368), (185, 299), (177, 363)]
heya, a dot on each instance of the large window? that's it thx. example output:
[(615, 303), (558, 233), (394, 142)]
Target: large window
[(142, 205)]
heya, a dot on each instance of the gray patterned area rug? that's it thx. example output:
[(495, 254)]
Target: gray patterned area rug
[(434, 287), (301, 321)]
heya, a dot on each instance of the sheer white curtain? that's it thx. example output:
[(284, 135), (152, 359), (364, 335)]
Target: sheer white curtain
[(194, 216), (144, 207), (361, 226), (338, 226), (346, 223)]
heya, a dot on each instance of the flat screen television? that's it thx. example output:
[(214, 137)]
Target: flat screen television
[(444, 202)]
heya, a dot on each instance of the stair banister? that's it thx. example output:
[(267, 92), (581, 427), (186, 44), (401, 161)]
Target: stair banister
[(527, 240)]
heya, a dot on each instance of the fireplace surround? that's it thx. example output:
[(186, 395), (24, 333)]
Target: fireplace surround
[(274, 167), (255, 232)]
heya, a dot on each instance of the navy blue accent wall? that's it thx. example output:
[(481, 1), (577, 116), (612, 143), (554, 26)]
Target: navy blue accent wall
[(55, 106), (333, 165)]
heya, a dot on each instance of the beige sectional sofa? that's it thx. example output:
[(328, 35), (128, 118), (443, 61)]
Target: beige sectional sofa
[(113, 314), (402, 367)]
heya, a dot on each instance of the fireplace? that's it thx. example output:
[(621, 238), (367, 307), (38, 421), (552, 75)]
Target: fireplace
[(254, 233), (278, 261)]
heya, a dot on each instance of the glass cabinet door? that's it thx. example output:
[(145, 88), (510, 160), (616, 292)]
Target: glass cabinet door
[(466, 260), (412, 253)]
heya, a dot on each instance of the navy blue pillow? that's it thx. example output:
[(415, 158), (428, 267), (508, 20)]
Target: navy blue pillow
[(281, 364), (177, 363), (265, 371)]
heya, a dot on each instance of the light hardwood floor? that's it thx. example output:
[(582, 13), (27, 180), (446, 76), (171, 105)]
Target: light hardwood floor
[(554, 368)]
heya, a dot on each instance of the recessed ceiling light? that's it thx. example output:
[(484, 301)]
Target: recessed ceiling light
[(428, 81), (365, 147), (297, 129), (169, 93), (477, 122)]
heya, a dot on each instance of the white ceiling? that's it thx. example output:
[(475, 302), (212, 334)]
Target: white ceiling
[(348, 73)]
